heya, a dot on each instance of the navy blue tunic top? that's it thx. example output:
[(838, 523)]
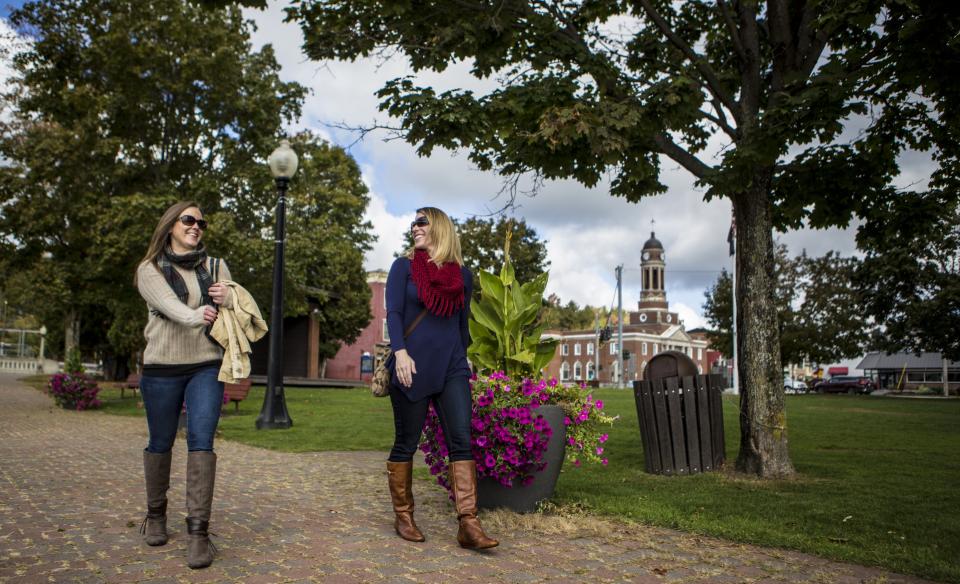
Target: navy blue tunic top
[(438, 346)]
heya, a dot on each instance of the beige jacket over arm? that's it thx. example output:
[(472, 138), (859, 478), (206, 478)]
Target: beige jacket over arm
[(235, 328)]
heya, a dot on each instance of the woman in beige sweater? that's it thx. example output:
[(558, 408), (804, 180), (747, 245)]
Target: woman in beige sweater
[(180, 364)]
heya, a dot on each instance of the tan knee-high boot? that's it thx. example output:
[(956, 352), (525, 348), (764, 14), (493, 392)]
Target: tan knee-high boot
[(156, 472), (201, 475), (400, 477), (463, 477)]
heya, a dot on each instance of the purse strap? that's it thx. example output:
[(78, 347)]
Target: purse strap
[(415, 322)]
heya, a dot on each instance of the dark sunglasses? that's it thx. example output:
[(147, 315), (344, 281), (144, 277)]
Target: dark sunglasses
[(419, 222), (190, 221)]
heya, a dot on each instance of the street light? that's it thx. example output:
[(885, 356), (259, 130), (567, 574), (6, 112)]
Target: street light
[(273, 414)]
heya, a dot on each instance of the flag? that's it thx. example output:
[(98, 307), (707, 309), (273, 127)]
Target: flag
[(732, 236)]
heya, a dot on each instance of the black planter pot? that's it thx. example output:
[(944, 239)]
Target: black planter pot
[(524, 499)]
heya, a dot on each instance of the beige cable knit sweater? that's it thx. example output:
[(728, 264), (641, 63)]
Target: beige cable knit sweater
[(178, 339)]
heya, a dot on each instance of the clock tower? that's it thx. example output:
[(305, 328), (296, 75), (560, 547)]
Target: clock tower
[(653, 307)]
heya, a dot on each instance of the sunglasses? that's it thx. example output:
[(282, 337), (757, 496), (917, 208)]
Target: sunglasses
[(419, 222), (190, 221)]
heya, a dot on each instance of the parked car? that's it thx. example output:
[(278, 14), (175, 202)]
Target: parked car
[(794, 386), (851, 384)]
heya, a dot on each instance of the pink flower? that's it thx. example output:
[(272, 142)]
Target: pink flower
[(603, 438), (599, 450), (604, 462), (599, 405)]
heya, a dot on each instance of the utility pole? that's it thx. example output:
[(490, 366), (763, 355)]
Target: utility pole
[(596, 346), (620, 326)]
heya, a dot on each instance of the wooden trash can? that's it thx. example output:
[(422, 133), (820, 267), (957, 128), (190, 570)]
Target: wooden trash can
[(680, 415)]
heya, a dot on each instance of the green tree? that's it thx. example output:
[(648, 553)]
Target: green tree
[(591, 88), (818, 309), (909, 279), (117, 109), (326, 240), (566, 317), (481, 241)]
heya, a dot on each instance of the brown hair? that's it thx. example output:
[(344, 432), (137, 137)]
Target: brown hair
[(161, 235), (446, 242)]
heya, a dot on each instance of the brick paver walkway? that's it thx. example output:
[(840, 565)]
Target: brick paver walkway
[(71, 501)]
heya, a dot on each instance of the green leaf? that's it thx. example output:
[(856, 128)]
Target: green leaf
[(493, 289), (506, 274), (523, 357)]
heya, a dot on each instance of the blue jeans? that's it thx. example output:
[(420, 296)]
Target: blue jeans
[(164, 397), (454, 408)]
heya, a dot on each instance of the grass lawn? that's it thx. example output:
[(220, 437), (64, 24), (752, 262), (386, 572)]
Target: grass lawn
[(877, 477)]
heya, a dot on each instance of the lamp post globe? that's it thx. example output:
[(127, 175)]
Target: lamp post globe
[(273, 414)]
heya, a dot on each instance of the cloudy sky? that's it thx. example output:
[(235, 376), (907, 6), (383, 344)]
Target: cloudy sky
[(588, 232)]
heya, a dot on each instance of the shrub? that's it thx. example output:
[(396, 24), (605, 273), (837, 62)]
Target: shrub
[(74, 391), (74, 363)]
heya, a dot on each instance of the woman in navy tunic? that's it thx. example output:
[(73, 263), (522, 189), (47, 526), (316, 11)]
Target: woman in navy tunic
[(430, 286)]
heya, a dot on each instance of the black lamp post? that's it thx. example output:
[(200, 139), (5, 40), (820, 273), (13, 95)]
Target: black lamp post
[(273, 414)]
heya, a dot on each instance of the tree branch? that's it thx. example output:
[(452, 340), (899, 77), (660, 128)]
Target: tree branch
[(690, 162), (709, 75), (732, 27), (721, 123), (750, 71)]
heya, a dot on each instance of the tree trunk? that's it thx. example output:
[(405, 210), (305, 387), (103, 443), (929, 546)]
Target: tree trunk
[(71, 332), (763, 422)]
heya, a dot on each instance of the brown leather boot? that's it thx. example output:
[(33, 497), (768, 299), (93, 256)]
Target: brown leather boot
[(400, 477), (463, 477), (156, 472), (201, 475)]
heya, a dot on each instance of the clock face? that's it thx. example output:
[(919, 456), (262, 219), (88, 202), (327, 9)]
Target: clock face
[(643, 317), (669, 318), (646, 255)]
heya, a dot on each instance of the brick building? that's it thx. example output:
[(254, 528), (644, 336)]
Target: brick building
[(649, 330), (349, 360)]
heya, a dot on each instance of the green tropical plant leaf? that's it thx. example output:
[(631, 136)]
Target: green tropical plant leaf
[(524, 356), (506, 274), (492, 287), (487, 316), (534, 288)]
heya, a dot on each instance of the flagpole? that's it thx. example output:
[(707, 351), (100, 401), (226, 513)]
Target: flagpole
[(733, 252)]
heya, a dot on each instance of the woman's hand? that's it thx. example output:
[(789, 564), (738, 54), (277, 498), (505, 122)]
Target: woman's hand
[(209, 314), (405, 367), (218, 293)]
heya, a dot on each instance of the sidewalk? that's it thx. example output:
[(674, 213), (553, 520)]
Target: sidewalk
[(71, 502)]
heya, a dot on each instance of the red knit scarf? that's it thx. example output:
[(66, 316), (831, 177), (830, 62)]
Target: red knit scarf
[(440, 289)]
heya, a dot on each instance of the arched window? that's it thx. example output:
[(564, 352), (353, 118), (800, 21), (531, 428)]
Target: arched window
[(565, 371), (577, 371), (615, 372), (591, 374)]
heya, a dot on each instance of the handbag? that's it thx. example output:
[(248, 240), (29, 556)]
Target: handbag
[(380, 384)]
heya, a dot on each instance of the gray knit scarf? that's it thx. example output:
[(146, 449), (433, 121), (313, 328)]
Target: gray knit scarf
[(195, 260)]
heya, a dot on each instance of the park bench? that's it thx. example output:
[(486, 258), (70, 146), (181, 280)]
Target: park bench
[(236, 392), (132, 383)]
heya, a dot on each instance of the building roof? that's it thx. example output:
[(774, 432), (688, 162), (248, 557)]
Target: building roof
[(905, 360), (653, 242)]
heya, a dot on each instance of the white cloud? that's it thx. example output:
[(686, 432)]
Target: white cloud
[(389, 229)]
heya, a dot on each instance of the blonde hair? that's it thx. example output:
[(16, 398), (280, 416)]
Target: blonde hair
[(161, 235), (446, 242)]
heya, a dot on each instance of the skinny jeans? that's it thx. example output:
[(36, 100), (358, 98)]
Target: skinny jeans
[(454, 408), (165, 397)]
